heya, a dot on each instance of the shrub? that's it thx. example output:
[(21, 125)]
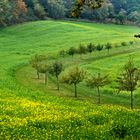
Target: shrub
[(124, 44)]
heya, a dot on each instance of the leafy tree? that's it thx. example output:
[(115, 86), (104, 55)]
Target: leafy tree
[(103, 13), (68, 7), (99, 47), (121, 17), (55, 70), (108, 46), (39, 11), (18, 11), (72, 51), (90, 48), (44, 68), (56, 9), (134, 16), (81, 50), (94, 4), (98, 82), (62, 53), (36, 61), (128, 79), (4, 6), (29, 3), (12, 12), (74, 76)]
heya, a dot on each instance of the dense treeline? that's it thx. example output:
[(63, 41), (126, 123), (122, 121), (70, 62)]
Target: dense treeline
[(17, 11), (120, 11)]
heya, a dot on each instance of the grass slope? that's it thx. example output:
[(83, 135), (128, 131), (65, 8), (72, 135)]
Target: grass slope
[(31, 112)]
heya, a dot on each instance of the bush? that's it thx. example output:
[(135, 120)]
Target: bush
[(131, 42), (124, 44)]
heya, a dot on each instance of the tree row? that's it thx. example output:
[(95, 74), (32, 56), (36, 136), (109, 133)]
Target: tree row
[(83, 49), (127, 80)]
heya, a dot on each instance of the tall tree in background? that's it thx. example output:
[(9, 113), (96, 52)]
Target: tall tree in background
[(56, 8), (39, 11), (4, 6), (120, 11), (121, 17), (93, 4), (18, 10)]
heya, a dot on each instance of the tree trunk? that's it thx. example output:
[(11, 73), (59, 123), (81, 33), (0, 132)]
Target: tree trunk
[(57, 83), (99, 100), (131, 99), (37, 74), (108, 51), (46, 78), (75, 86)]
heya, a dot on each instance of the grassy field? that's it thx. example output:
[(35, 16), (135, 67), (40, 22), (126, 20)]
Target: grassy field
[(30, 110)]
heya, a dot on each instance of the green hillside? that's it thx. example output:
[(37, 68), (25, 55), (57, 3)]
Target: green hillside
[(31, 110)]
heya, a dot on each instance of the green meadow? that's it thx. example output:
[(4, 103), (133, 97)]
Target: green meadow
[(31, 110)]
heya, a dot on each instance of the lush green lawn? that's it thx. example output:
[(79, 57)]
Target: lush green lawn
[(30, 110)]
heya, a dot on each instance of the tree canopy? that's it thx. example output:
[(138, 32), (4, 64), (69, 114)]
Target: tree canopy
[(120, 12)]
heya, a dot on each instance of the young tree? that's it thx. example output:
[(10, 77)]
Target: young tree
[(44, 68), (108, 46), (71, 51), (55, 70), (74, 76), (128, 79), (98, 82), (90, 48), (99, 47), (81, 50), (62, 53), (35, 62)]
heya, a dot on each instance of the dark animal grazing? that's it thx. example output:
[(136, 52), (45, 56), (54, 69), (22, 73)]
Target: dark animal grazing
[(137, 36)]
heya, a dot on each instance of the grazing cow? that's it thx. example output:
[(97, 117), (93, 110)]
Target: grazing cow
[(137, 36)]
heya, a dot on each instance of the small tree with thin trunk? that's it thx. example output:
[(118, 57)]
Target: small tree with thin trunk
[(128, 79), (90, 48), (99, 47), (62, 53), (44, 68), (108, 46), (98, 82), (81, 50), (74, 76), (71, 51), (35, 62), (55, 70)]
